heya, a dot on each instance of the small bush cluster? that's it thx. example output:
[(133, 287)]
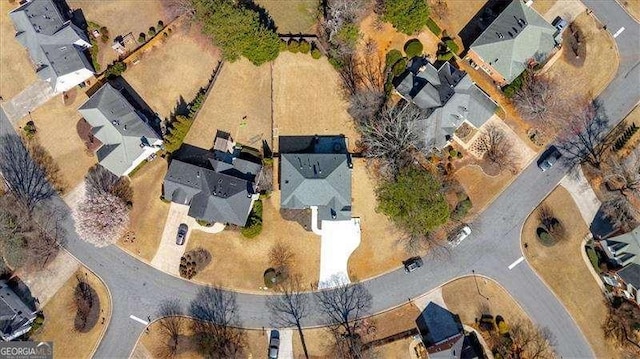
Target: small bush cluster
[(254, 223), (151, 32), (193, 262), (462, 208), (392, 57), (302, 46), (29, 129), (115, 69), (142, 37), (625, 137), (413, 48), (179, 126), (515, 85), (273, 277), (447, 48)]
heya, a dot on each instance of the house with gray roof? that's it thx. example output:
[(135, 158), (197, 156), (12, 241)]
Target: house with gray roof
[(16, 316), (218, 185), (624, 252), (315, 171), (55, 45), (448, 98), (517, 36), (125, 132)]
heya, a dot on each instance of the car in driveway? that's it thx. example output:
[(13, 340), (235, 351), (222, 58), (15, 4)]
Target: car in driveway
[(559, 23), (274, 344), (182, 234), (549, 158), (412, 264), (460, 236)]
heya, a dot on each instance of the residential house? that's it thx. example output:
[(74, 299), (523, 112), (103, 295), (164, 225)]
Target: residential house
[(444, 337), (16, 316), (449, 98), (56, 46), (506, 47), (624, 251), (125, 132), (218, 185), (315, 171)]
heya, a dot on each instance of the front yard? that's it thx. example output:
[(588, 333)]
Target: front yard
[(563, 268), (16, 69)]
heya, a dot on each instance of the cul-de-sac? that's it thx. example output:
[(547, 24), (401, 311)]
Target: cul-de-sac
[(348, 179)]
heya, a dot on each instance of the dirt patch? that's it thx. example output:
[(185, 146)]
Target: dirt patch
[(59, 320), (293, 16), (148, 213), (84, 130), (172, 71), (564, 270), (300, 216), (307, 99), (387, 38), (239, 263), (56, 131)]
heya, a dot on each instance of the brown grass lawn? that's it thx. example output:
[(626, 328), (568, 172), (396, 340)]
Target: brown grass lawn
[(632, 117), (239, 263), (462, 298), (241, 89), (59, 316), (177, 68), (149, 212), (292, 16), (458, 15), (564, 270), (632, 7), (542, 6), (388, 38), (56, 130), (307, 99), (378, 251), (16, 69), (482, 189)]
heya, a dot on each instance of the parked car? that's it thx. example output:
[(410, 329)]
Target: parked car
[(412, 264), (182, 234), (549, 158), (462, 234), (559, 23), (274, 344)]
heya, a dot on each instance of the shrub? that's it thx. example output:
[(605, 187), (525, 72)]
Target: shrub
[(515, 85), (453, 153), (462, 208), (433, 27), (194, 261), (392, 57), (451, 45), (160, 25), (254, 223), (30, 129), (169, 30), (545, 237), (445, 57), (593, 258), (348, 34), (152, 31), (413, 48), (104, 31), (315, 53), (115, 69), (93, 51), (305, 47), (408, 16), (282, 46), (142, 37), (399, 67), (293, 46), (204, 223)]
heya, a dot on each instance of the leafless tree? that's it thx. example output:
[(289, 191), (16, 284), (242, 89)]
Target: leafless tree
[(584, 135), (171, 326), (48, 236), (44, 160), (290, 307), (215, 327), (175, 8), (392, 136), (617, 326), (280, 255), (24, 178), (102, 219), (537, 99), (439, 8), (550, 222), (341, 12), (498, 149), (99, 180), (623, 177), (622, 214), (343, 307), (526, 340)]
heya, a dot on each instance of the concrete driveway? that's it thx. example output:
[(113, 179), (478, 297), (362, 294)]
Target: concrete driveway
[(28, 100), (339, 239), (582, 193), (567, 9), (286, 343), (167, 257)]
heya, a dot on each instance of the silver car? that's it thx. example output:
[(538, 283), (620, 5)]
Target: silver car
[(464, 233), (182, 234)]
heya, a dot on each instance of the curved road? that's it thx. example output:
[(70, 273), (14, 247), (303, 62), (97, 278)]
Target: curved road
[(137, 288)]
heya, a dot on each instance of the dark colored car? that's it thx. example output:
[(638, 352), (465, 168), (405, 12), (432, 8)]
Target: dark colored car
[(274, 344), (559, 23), (182, 234), (549, 158), (412, 264)]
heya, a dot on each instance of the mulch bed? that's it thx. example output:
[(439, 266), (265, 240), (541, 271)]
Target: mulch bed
[(86, 135), (301, 216), (84, 326)]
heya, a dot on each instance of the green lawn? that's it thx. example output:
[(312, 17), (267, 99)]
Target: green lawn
[(292, 16)]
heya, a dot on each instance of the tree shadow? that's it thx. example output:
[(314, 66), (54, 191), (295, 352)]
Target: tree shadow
[(480, 21)]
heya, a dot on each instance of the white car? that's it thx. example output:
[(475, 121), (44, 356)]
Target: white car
[(464, 233)]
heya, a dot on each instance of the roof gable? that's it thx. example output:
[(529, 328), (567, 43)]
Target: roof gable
[(437, 325)]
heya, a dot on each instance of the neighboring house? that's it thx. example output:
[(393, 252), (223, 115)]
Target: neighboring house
[(517, 36), (125, 133), (315, 171), (219, 185), (16, 316), (55, 45), (449, 98), (624, 251), (444, 337)]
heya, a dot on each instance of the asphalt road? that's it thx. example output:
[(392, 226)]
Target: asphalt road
[(137, 288)]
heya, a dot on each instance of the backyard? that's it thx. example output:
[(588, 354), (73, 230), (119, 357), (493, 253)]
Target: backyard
[(387, 38), (565, 271), (293, 16), (60, 314)]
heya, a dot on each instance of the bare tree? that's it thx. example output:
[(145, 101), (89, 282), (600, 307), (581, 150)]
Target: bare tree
[(102, 219), (290, 307), (175, 8), (584, 137), (23, 176), (526, 340), (550, 222), (537, 99), (343, 307), (621, 212), (341, 12), (215, 327), (280, 255), (498, 148), (623, 177), (48, 236), (618, 325), (48, 165), (99, 180), (171, 326)]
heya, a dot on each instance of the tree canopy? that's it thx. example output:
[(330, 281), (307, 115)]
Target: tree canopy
[(414, 201), (237, 30), (407, 16)]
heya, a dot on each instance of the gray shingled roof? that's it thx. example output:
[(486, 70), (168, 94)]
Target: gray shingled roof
[(448, 96), (120, 128), (631, 274), (49, 38), (518, 34), (14, 313), (436, 324)]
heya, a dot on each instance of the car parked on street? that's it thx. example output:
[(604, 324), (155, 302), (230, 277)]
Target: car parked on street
[(460, 236), (549, 158), (182, 234), (412, 264), (274, 344)]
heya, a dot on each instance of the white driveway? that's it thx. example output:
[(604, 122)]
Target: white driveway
[(28, 100), (167, 257), (285, 350), (582, 193), (338, 240)]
